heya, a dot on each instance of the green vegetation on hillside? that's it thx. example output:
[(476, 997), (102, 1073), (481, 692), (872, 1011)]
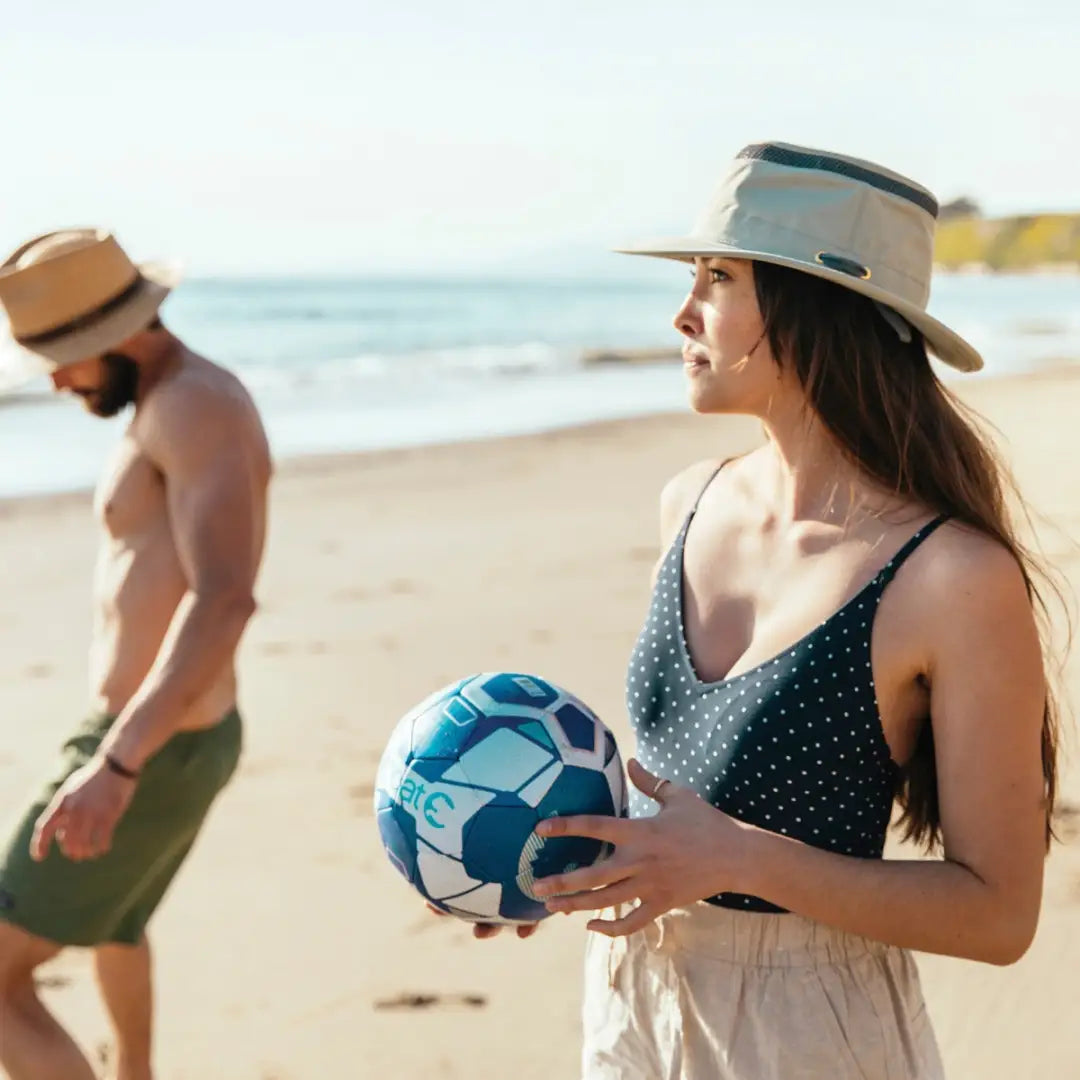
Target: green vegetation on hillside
[(1026, 242)]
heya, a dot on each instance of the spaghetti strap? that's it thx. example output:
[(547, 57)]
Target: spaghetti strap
[(888, 572), (705, 486)]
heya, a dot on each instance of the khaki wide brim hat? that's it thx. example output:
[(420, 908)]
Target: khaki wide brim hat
[(848, 221), (71, 295)]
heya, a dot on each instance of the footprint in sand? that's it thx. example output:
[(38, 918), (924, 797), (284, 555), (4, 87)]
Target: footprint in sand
[(350, 596), (429, 1001), (275, 648), (38, 671), (1067, 822), (361, 796), (402, 586), (262, 766)]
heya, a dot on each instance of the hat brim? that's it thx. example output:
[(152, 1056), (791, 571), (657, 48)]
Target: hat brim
[(20, 363), (945, 344)]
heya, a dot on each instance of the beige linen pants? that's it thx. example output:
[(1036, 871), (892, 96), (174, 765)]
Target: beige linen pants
[(709, 993)]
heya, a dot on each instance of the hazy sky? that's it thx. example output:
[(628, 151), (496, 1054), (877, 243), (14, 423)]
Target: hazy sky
[(424, 135)]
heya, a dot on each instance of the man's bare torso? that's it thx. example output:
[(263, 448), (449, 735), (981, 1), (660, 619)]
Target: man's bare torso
[(139, 579)]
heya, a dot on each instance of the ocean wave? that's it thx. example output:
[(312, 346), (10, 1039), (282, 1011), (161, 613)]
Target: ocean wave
[(429, 365), (393, 370)]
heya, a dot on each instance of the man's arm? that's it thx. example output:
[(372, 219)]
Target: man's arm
[(201, 444)]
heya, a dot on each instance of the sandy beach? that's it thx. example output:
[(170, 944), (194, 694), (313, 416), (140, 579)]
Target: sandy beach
[(289, 949)]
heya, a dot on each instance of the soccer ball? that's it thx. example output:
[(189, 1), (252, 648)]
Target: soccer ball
[(466, 776)]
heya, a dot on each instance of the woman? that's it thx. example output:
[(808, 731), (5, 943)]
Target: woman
[(842, 618)]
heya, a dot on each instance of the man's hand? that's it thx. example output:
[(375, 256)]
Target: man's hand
[(484, 930), (84, 813)]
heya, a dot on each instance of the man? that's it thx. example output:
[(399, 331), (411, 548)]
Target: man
[(182, 509)]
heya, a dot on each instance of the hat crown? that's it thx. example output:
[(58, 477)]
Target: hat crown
[(60, 277), (824, 208), (53, 245)]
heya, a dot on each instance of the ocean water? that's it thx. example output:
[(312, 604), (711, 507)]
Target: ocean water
[(360, 363)]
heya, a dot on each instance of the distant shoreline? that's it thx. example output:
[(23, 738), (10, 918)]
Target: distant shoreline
[(323, 461), (594, 357), (1018, 244)]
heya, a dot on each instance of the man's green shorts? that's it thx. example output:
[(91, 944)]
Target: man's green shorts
[(111, 898)]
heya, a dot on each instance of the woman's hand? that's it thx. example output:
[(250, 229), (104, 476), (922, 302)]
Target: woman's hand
[(685, 853)]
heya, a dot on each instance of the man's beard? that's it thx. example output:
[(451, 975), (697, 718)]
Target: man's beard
[(118, 387)]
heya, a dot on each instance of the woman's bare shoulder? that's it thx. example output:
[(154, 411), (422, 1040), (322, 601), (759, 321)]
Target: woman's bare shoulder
[(963, 558), (970, 587), (681, 491)]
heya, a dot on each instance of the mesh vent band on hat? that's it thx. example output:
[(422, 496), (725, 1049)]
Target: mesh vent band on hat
[(797, 159)]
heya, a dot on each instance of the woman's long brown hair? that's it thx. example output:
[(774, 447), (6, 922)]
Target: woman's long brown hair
[(884, 405)]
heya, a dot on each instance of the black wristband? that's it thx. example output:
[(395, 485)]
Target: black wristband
[(120, 769)]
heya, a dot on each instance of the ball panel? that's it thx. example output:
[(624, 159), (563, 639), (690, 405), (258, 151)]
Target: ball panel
[(534, 729), (504, 760), (588, 757), (518, 907), (580, 728), (611, 751), (441, 876), (561, 855), (577, 791), (398, 832), (435, 696), (431, 770), (494, 691), (444, 730), (394, 759), (540, 785), (613, 771), (479, 905), (495, 836)]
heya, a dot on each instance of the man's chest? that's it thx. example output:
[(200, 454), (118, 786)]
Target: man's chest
[(130, 497)]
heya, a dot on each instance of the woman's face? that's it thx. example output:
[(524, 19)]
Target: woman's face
[(726, 357)]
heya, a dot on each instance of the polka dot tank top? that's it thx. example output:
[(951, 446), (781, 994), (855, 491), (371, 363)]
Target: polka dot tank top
[(794, 745)]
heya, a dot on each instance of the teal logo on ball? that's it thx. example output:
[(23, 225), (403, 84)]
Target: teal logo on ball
[(415, 796)]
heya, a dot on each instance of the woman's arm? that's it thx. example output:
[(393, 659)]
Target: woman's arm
[(980, 901)]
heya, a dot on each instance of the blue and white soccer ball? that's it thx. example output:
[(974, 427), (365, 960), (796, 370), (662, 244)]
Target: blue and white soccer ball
[(466, 776)]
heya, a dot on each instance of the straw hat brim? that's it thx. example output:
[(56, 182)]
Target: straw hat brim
[(945, 344), (20, 363)]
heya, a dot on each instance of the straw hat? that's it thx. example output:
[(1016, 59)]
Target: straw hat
[(73, 294), (839, 218)]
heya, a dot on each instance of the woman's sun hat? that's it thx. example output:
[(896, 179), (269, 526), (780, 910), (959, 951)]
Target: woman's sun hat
[(849, 221)]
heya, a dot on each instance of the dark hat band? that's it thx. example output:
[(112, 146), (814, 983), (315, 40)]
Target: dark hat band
[(83, 321), (798, 159)]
